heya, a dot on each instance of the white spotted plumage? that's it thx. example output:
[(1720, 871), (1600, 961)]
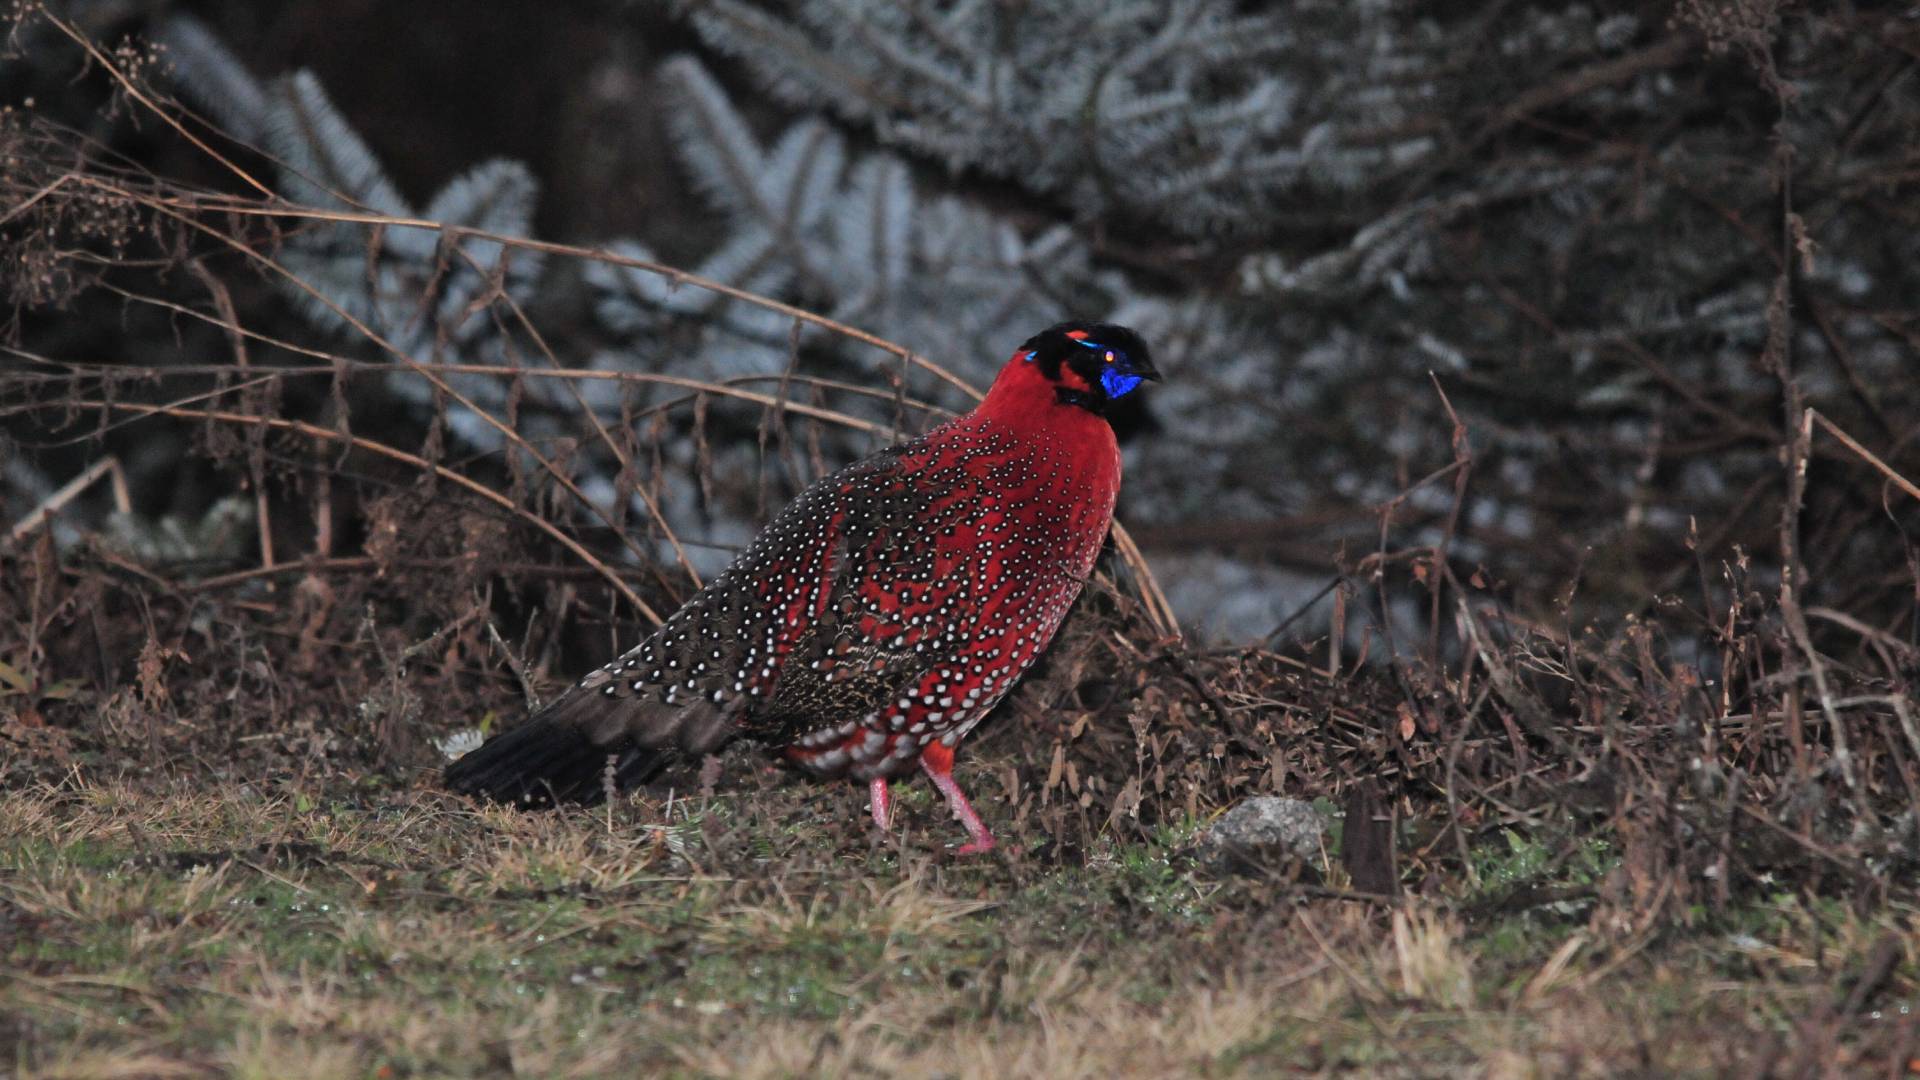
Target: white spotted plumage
[(883, 613)]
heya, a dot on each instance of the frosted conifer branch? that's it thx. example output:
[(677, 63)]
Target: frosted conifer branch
[(421, 291), (1095, 103)]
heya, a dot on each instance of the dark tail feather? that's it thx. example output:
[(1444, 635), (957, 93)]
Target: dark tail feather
[(550, 759)]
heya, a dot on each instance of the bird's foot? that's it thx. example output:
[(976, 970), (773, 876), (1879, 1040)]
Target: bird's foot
[(880, 801), (937, 761), (976, 847)]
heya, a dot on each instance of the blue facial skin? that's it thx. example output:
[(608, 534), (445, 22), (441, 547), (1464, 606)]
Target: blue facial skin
[(1113, 380), (1117, 384)]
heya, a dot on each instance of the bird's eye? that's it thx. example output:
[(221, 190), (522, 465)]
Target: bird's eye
[(1109, 356)]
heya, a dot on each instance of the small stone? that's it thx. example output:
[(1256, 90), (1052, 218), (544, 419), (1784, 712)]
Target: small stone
[(1261, 831)]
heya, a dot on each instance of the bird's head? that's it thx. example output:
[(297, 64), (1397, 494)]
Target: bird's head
[(1087, 364)]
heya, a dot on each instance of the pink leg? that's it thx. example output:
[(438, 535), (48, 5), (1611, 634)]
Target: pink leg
[(937, 760), (881, 802)]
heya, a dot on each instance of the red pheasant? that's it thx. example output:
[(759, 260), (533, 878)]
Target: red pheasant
[(880, 616)]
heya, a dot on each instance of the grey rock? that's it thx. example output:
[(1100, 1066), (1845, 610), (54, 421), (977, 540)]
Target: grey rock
[(1261, 831)]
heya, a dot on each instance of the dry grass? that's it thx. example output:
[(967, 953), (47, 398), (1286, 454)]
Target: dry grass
[(184, 931)]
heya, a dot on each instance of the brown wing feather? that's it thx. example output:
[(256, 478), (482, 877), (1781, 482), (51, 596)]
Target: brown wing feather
[(772, 647)]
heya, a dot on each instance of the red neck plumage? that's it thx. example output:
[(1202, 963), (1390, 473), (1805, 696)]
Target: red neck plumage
[(1023, 399)]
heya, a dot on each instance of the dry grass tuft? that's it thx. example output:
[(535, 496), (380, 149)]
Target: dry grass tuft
[(1433, 967)]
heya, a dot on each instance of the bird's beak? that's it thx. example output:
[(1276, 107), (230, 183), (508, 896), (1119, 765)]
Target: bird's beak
[(1143, 368)]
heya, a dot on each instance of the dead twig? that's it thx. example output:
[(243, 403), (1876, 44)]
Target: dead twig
[(314, 431), (108, 466)]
